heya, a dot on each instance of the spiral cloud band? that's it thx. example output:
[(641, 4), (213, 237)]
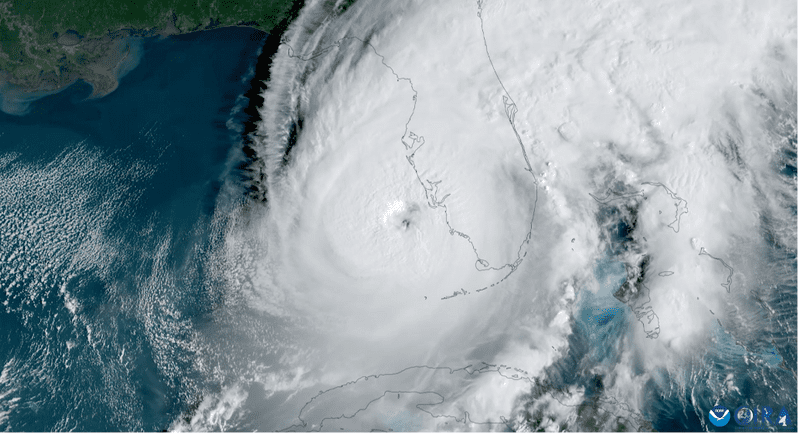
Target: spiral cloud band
[(452, 188)]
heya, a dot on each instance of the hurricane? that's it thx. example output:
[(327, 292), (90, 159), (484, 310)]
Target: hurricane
[(459, 216)]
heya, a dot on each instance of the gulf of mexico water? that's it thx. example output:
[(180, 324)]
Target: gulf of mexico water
[(106, 219)]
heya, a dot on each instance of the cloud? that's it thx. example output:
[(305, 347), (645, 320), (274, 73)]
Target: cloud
[(398, 230)]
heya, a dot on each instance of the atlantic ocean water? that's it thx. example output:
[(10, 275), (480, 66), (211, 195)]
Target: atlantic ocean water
[(106, 217)]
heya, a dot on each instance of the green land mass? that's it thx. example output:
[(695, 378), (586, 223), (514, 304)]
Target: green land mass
[(48, 44)]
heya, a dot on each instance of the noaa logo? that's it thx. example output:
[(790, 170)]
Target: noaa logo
[(719, 415)]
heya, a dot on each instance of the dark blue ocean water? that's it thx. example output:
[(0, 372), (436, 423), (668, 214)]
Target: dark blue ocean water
[(106, 212)]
